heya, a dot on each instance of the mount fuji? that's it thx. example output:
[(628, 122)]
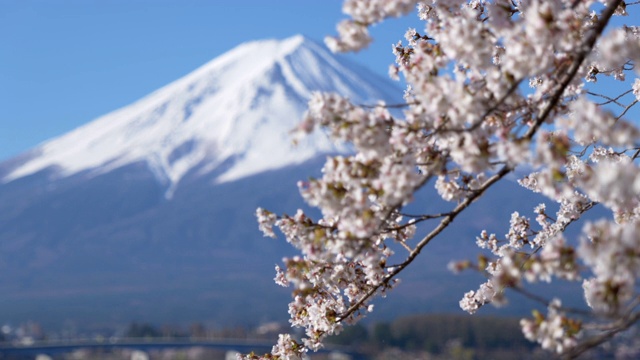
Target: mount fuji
[(147, 213), (228, 114)]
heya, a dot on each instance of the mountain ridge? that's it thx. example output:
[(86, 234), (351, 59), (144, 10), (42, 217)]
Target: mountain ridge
[(231, 108)]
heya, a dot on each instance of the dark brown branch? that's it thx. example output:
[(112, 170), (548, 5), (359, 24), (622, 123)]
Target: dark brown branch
[(621, 325), (583, 51), (444, 223)]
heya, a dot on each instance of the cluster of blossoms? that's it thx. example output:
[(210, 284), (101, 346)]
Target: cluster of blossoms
[(470, 119), (555, 332)]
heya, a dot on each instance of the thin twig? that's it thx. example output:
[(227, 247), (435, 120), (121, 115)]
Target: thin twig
[(389, 106), (487, 112), (610, 99), (546, 302), (416, 220), (626, 109)]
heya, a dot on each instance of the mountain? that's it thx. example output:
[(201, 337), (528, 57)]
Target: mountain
[(224, 116), (147, 213)]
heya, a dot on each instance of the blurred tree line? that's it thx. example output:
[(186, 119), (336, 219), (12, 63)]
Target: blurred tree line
[(437, 333)]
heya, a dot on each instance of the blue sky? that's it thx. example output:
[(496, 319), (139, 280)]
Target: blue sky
[(65, 62)]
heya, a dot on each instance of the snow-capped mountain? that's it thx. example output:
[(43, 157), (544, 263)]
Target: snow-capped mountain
[(236, 110), (87, 233)]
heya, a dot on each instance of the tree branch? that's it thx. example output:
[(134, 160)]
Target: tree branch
[(444, 223), (619, 326), (584, 49)]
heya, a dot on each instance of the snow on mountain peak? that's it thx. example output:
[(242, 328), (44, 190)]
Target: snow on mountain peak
[(236, 110)]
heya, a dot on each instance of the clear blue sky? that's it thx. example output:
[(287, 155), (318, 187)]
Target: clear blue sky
[(65, 62)]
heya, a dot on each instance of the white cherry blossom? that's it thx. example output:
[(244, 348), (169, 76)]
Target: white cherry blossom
[(469, 121)]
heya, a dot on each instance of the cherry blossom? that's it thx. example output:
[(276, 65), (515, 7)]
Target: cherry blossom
[(554, 332), (469, 121)]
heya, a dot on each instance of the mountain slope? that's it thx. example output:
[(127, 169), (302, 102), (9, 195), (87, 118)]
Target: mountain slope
[(230, 111)]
